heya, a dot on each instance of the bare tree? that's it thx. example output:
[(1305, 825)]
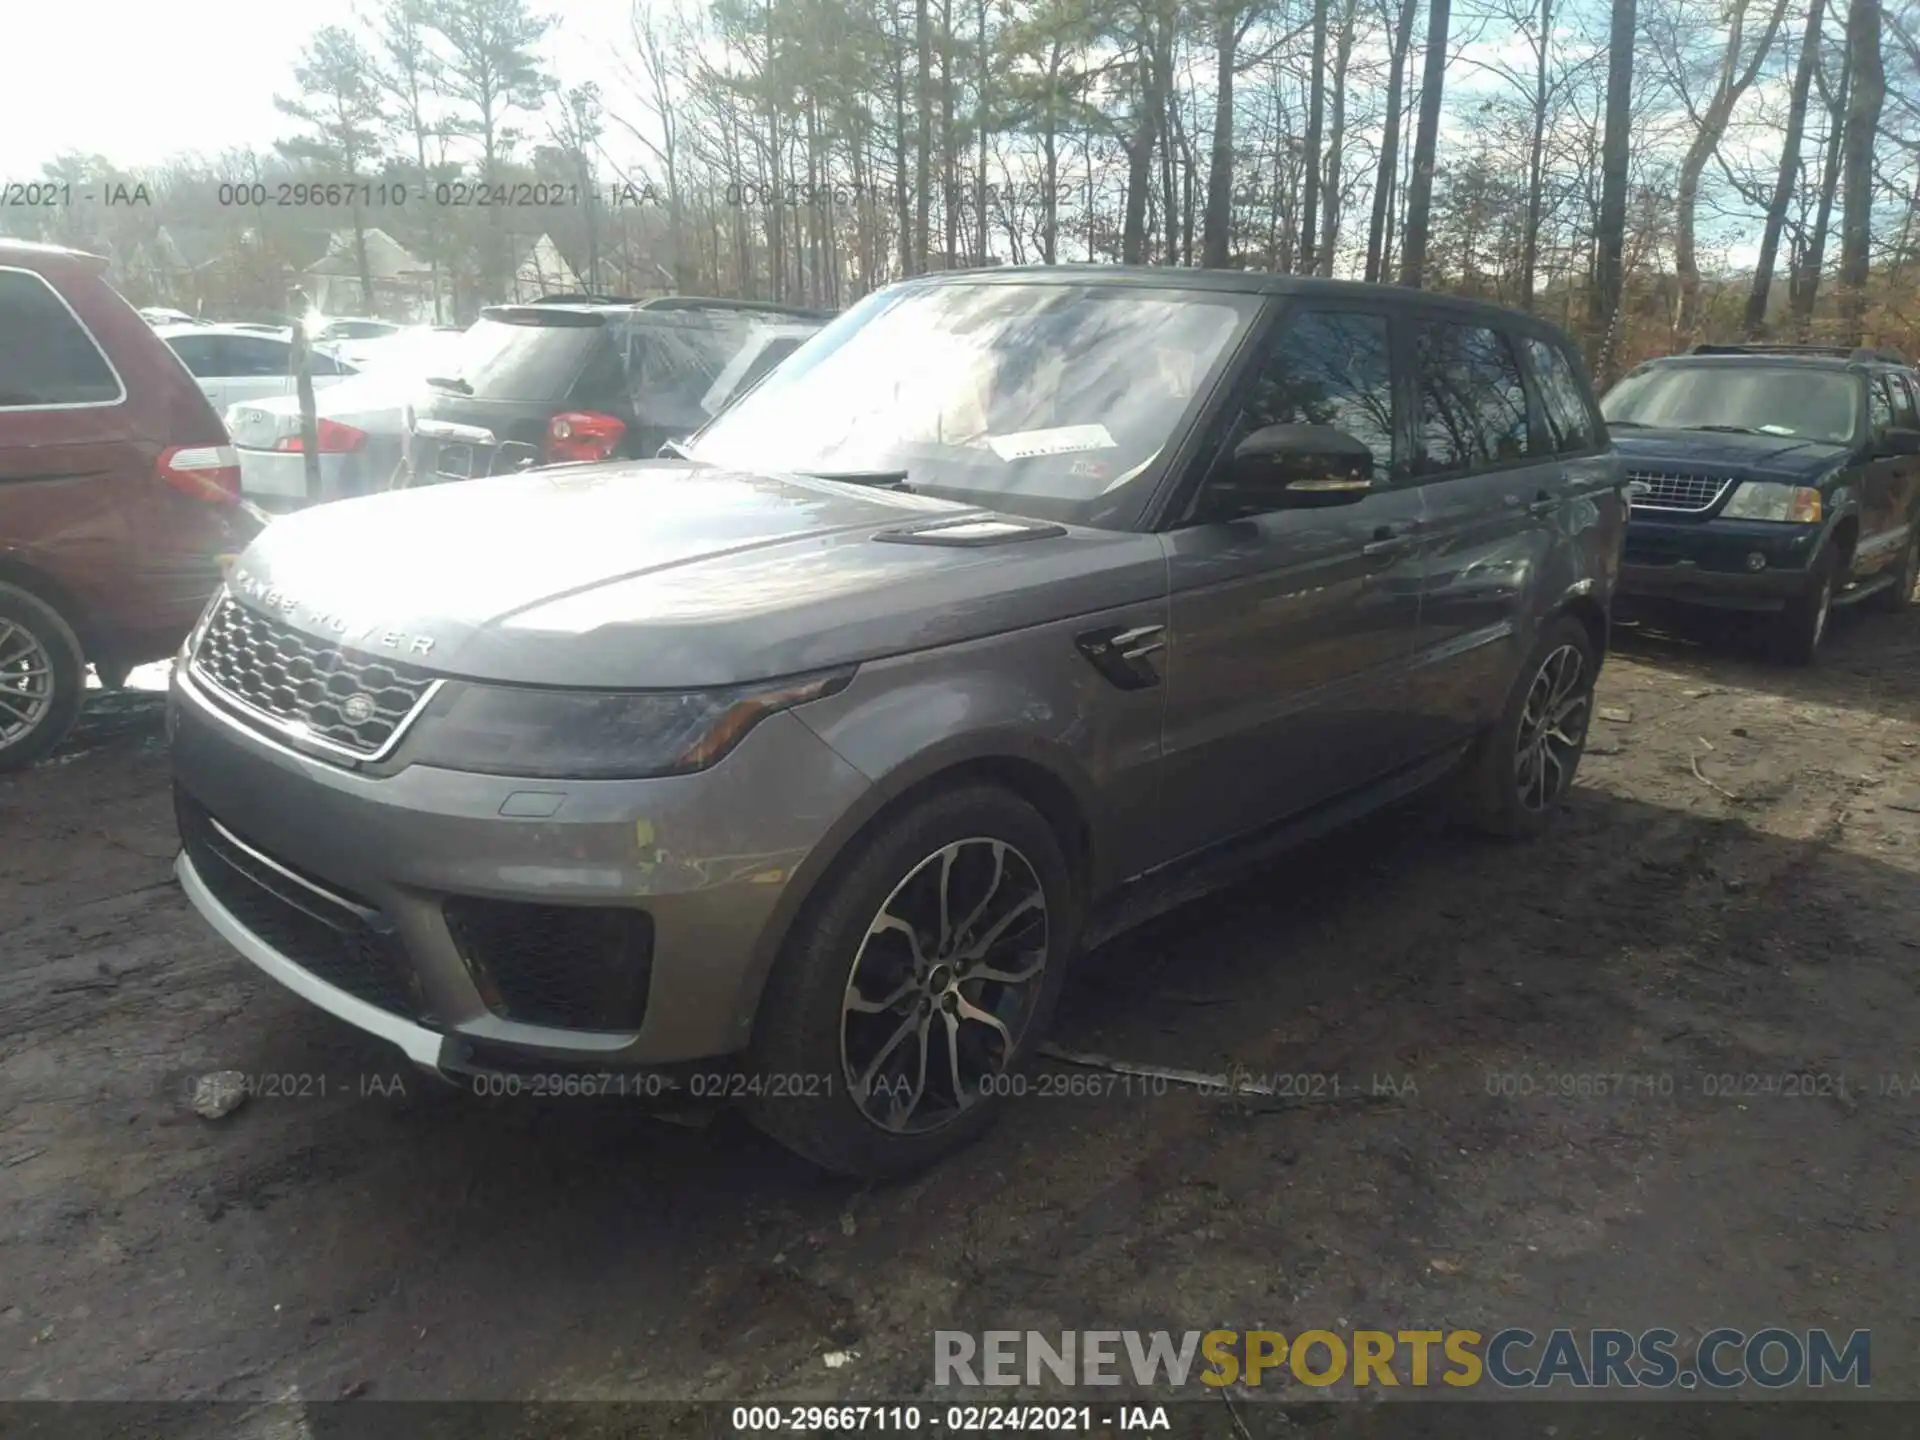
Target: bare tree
[(1862, 128), (1413, 246), (1610, 236), (1789, 174), (1389, 159)]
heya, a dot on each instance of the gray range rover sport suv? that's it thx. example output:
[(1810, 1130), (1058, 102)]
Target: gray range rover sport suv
[(1015, 606)]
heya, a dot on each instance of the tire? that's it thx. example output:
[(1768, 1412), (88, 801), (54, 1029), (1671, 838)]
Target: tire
[(1802, 627), (43, 678), (1510, 798), (810, 1053), (1899, 595)]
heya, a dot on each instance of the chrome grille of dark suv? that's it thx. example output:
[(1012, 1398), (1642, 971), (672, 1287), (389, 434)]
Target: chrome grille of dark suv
[(293, 678), (1668, 490)]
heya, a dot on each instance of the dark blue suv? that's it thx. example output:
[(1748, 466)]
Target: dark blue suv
[(1781, 479)]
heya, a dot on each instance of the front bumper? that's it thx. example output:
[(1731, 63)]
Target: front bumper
[(708, 858), (1705, 562)]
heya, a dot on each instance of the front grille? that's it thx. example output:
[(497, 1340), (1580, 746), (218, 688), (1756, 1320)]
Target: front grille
[(356, 703), (333, 935), (569, 966), (1671, 490)]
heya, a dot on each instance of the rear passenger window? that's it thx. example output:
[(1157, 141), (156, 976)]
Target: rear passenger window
[(1904, 416), (1569, 421), (1330, 367), (201, 354), (246, 357), (1879, 405), (1473, 403), (47, 357)]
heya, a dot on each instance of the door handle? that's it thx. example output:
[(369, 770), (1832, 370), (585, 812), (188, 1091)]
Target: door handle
[(1387, 540), (1544, 502)]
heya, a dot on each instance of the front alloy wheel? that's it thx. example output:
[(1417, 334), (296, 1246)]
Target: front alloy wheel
[(915, 984), (1553, 727), (944, 985)]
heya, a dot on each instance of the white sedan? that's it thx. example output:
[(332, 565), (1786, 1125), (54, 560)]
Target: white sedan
[(232, 363)]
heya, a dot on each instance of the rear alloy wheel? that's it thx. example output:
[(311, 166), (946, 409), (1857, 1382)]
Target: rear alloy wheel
[(1802, 627), (1522, 769), (915, 988), (1899, 595), (42, 678)]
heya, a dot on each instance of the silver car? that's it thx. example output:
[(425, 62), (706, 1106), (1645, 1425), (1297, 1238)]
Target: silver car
[(1014, 606), (361, 425)]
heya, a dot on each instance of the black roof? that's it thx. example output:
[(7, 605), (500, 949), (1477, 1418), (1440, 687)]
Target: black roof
[(1824, 357), (1241, 282)]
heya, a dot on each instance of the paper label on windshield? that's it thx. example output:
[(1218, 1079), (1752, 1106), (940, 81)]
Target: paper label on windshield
[(1061, 440)]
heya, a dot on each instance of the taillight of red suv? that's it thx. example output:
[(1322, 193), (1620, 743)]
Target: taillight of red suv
[(206, 472), (576, 435)]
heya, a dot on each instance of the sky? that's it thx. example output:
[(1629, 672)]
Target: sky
[(150, 81)]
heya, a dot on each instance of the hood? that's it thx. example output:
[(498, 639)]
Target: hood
[(1782, 457), (661, 574)]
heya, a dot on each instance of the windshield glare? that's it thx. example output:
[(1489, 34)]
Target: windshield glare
[(1035, 399), (1795, 402)]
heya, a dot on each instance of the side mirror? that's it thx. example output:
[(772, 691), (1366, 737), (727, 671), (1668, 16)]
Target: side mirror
[(1898, 442), (1289, 467)]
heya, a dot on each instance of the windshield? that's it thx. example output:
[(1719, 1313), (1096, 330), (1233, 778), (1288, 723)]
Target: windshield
[(1042, 400), (1790, 401)]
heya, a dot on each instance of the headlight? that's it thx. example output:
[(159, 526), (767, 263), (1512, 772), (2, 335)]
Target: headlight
[(601, 735), (1767, 500)]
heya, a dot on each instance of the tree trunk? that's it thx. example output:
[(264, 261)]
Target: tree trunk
[(1610, 241), (1217, 246), (923, 165), (980, 166), (1756, 317), (1388, 169), (1336, 145), (1413, 245), (1304, 259), (1807, 290), (1869, 92), (1163, 38), (1536, 157), (1133, 234), (1732, 85)]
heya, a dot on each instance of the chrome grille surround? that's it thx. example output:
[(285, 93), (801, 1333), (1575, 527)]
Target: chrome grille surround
[(300, 686), (1675, 491)]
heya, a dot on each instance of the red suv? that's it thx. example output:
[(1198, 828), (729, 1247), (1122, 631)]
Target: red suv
[(119, 493)]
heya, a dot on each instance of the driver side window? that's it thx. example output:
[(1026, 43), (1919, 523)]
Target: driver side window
[(1329, 367)]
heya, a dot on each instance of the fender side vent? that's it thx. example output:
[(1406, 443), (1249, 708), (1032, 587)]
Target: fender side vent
[(972, 530)]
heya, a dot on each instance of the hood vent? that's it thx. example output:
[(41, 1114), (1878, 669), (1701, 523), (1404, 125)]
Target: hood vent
[(972, 530)]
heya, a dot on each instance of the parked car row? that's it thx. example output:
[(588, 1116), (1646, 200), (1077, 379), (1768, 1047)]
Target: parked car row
[(812, 750)]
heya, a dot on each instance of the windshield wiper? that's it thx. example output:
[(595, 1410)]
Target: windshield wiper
[(450, 382), (1727, 429), (1628, 425), (882, 479)]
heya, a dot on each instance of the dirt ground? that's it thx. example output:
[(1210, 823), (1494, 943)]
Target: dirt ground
[(1732, 891)]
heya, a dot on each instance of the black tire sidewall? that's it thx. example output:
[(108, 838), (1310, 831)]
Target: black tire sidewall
[(56, 637), (1493, 797), (1795, 639), (794, 1058), (1899, 595)]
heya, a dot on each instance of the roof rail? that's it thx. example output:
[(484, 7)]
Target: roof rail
[(1758, 348), (714, 302), (583, 298), (1856, 353)]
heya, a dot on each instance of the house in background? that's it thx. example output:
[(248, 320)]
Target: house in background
[(402, 283), (543, 270)]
